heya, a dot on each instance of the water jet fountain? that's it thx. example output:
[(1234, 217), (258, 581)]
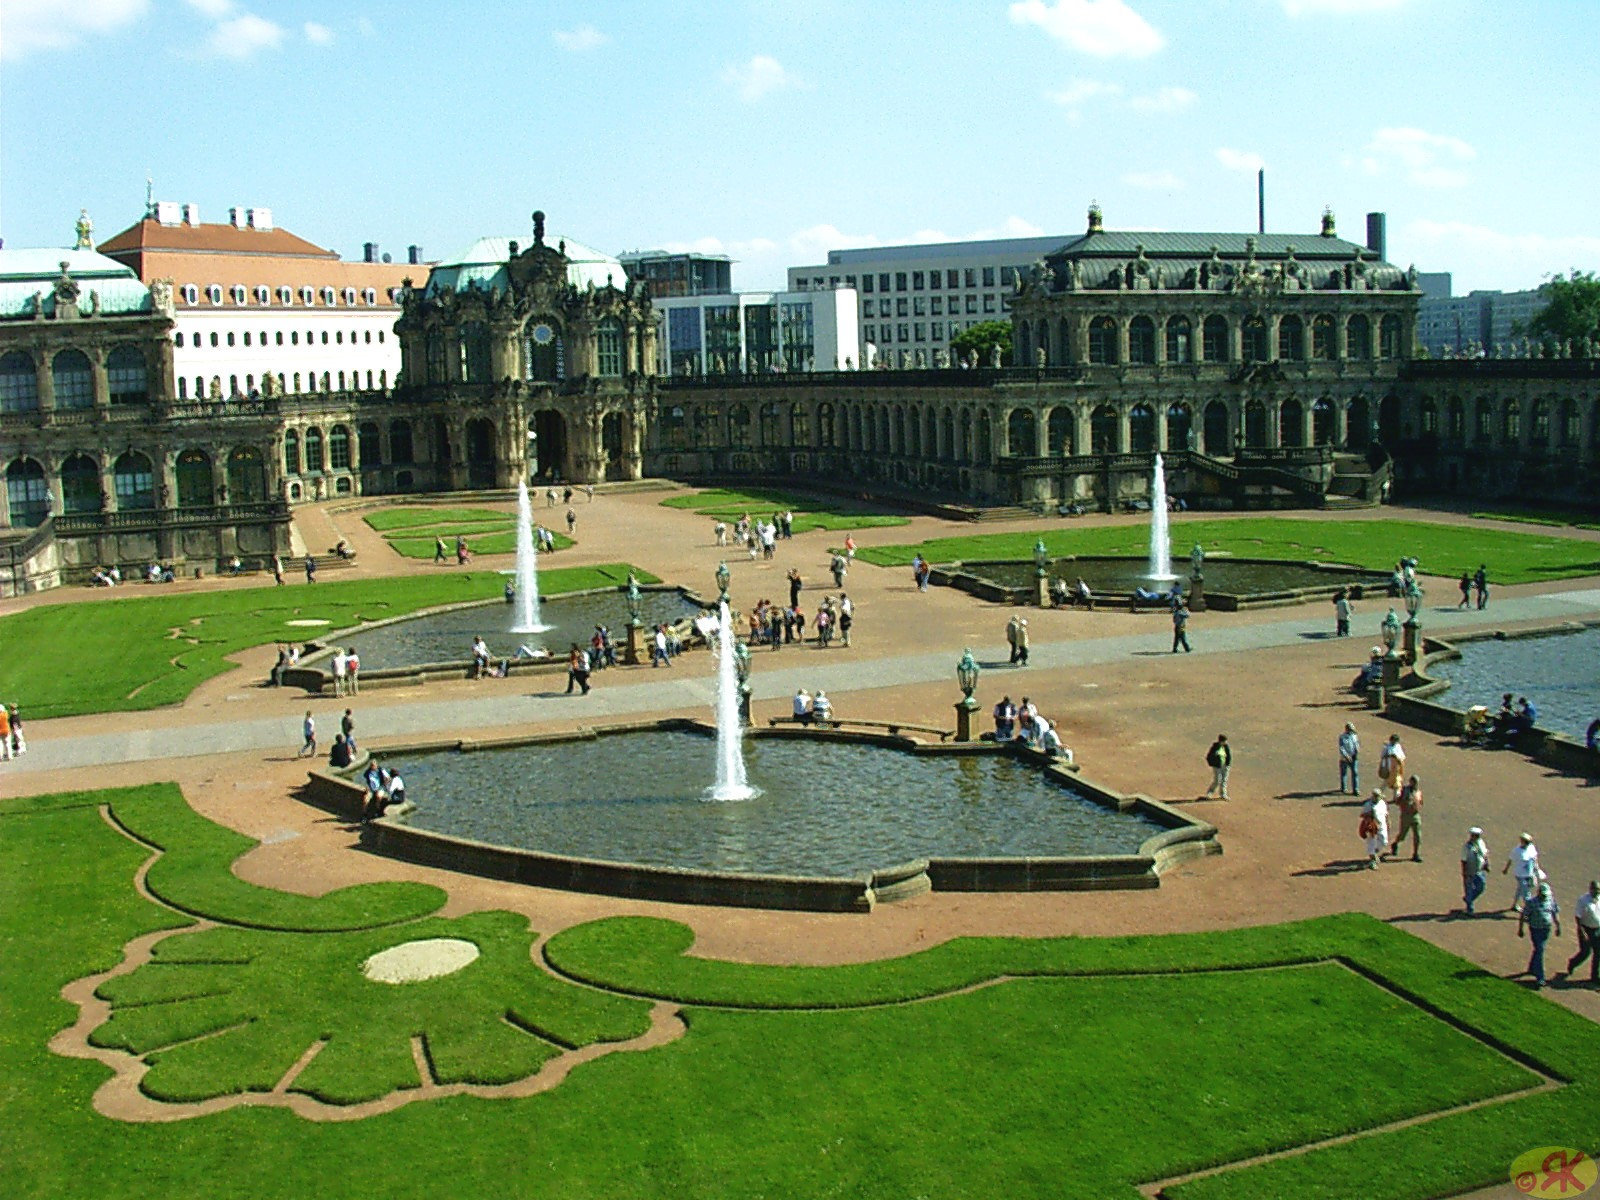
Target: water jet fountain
[(731, 782), (528, 619), (1160, 565)]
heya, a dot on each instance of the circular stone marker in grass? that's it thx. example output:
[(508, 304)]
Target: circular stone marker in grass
[(307, 622), (412, 962)]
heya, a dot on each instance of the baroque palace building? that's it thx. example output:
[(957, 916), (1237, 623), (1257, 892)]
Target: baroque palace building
[(1269, 370)]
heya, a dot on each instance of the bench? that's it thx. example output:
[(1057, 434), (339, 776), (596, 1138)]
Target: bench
[(893, 728)]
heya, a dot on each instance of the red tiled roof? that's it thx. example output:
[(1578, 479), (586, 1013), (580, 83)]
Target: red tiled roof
[(150, 235)]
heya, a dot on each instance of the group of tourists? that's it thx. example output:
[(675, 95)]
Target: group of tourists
[(1394, 785), (1474, 585), (812, 710), (1079, 593), (1023, 723), (1533, 900), (776, 625), (566, 495), (346, 672), (385, 790)]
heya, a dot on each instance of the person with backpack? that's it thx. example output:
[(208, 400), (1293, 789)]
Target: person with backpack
[(1220, 759), (1374, 827)]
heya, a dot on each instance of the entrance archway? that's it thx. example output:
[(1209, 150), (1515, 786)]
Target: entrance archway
[(547, 444), (480, 453), (611, 445)]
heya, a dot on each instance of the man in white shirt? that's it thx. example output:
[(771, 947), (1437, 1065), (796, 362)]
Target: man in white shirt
[(341, 666), (822, 707), (1523, 866), (1587, 917), (802, 706)]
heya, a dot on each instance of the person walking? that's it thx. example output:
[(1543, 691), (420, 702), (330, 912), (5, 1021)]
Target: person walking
[(277, 571), (1465, 585), (1341, 614), (309, 729), (1392, 764), (5, 734), (837, 565), (795, 585), (1540, 916), (1015, 638), (1180, 627), (1474, 868), (19, 743), (658, 649), (1523, 867), (347, 726), (341, 670), (1586, 916), (439, 554), (1374, 827), (1220, 759), (311, 569), (578, 669), (1349, 759), (1480, 584), (847, 618), (572, 522), (1410, 802)]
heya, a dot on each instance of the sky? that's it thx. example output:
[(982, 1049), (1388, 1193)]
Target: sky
[(773, 133)]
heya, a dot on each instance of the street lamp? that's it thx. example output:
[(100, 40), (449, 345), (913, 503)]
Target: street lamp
[(724, 576)]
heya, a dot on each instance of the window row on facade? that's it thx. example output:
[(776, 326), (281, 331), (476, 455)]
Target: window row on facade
[(84, 482), (217, 340), (933, 306), (1142, 341), (1509, 421), (464, 355), (241, 296), (69, 378), (289, 382)]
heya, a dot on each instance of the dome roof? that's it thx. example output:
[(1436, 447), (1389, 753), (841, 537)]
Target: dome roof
[(483, 264)]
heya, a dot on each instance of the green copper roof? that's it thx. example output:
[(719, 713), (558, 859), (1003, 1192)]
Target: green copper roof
[(483, 264), (23, 273)]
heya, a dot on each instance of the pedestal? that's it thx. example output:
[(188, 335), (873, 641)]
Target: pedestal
[(1391, 671), (1043, 592), (964, 711), (1412, 634), (744, 705), (1197, 594), (630, 653)]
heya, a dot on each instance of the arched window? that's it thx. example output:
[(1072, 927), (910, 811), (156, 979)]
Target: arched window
[(674, 428), (1291, 339), (1389, 337), (433, 354), (400, 446), (193, 472), (19, 383), (1291, 423), (770, 433), (1539, 432), (80, 485), (1255, 424), (1061, 430), (1022, 430), (1483, 424), (369, 441), (291, 453), (74, 380), (313, 449), (1142, 341), (1324, 422), (827, 436), (1430, 418), (739, 425), (1571, 423), (1180, 427), (799, 425), (1214, 338), (1455, 419), (475, 353), (27, 492), (544, 357), (1324, 343), (1103, 430), (135, 482), (1511, 423), (1180, 340), (1358, 424), (1253, 340), (608, 348), (339, 448), (1024, 348), (126, 376), (985, 438), (1103, 341), (1063, 352), (1142, 429), (247, 476), (1358, 339), (1216, 429)]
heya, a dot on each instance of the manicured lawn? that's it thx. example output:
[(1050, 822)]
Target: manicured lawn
[(1378, 545), (1582, 519), (150, 649), (1068, 1067), (413, 530), (810, 512)]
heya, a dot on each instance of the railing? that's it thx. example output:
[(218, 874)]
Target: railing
[(165, 518), (1471, 370), (20, 550)]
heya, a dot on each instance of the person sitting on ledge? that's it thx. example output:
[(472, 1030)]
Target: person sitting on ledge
[(822, 708), (1504, 723), (1371, 674), (1591, 736), (1059, 595), (1143, 595), (803, 710), (339, 756)]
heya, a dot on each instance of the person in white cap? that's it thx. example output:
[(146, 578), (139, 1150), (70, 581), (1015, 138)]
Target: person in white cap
[(1474, 867), (1587, 918), (1540, 915), (1523, 866), (822, 707)]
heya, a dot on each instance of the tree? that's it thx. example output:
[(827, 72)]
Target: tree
[(1572, 308), (980, 340)]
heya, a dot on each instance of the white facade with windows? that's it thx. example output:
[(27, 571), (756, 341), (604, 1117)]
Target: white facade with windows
[(911, 300), (223, 353), (757, 333)]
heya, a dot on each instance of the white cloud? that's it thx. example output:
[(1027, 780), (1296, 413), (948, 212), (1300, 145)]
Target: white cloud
[(1484, 257), (318, 35), (1337, 8), (215, 9), (242, 36), (1164, 100), (1155, 181), (1102, 28), (1427, 159), (1240, 160), (1079, 92), (576, 41), (754, 79), (33, 25)]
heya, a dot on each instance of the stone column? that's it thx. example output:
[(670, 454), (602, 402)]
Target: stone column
[(633, 458), (1235, 340), (1080, 341), (1083, 430), (46, 381), (1123, 324), (102, 382), (1124, 435)]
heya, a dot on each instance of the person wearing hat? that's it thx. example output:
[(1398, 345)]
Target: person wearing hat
[(1523, 866), (822, 707), (1349, 755), (1474, 868), (1586, 916), (1540, 914)]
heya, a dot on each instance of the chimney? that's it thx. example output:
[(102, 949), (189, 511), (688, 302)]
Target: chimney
[(259, 218), (413, 254), (1378, 236), (369, 252), (168, 213), (236, 217), (191, 214)]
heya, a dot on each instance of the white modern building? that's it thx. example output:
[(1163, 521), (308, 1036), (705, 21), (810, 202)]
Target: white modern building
[(757, 333), (1477, 323), (255, 300), (911, 300)]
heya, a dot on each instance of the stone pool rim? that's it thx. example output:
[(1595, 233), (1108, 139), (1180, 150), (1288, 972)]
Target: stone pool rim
[(967, 576), (311, 676), (1183, 838)]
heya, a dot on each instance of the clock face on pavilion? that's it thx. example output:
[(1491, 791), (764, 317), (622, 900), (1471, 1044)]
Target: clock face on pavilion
[(542, 334)]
